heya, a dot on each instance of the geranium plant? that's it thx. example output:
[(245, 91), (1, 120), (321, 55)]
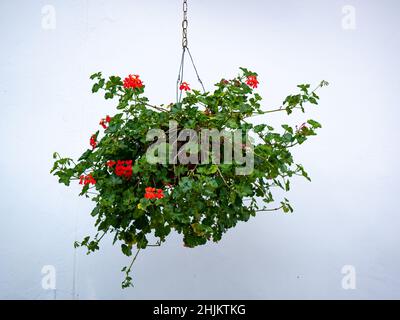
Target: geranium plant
[(138, 199)]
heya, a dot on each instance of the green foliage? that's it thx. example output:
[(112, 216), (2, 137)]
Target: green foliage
[(202, 201)]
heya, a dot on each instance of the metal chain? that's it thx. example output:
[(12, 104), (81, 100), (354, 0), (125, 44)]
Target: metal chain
[(184, 25), (185, 49)]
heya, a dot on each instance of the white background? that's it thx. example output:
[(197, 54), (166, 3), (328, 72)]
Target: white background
[(348, 215)]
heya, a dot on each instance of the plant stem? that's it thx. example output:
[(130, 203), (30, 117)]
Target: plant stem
[(133, 260), (269, 210), (220, 173)]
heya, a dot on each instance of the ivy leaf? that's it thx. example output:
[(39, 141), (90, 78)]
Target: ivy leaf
[(85, 155), (314, 124), (126, 250), (259, 128), (95, 75)]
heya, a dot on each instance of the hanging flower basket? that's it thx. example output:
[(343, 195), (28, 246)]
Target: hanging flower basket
[(197, 166)]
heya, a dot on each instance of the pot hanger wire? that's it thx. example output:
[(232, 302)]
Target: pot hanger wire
[(185, 49)]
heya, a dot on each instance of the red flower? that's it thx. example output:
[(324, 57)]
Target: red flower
[(252, 81), (159, 194), (184, 86), (103, 123), (111, 163), (149, 195), (87, 179), (90, 179), (124, 168), (105, 120), (133, 82), (152, 193), (93, 141)]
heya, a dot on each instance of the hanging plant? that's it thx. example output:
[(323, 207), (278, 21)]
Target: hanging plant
[(197, 166), (135, 197)]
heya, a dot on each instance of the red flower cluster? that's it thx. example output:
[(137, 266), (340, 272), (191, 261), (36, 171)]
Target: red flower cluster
[(87, 179), (252, 81), (132, 82), (104, 121), (123, 168), (184, 86), (93, 141), (153, 193)]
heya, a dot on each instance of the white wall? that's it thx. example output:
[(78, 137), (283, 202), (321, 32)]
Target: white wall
[(348, 215)]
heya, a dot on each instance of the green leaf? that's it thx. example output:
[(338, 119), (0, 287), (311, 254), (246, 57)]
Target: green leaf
[(259, 128), (95, 75), (126, 250), (314, 124), (108, 95), (85, 155)]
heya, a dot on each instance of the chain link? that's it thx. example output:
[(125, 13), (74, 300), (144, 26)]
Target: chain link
[(184, 25), (184, 51)]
